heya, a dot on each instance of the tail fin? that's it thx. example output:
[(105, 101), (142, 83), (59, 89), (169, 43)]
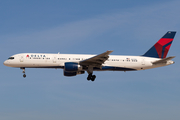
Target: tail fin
[(161, 48)]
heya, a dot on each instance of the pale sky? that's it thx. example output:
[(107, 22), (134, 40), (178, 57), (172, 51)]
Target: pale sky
[(88, 27)]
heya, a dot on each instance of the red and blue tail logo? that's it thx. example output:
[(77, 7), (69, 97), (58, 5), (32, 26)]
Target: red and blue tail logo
[(161, 48)]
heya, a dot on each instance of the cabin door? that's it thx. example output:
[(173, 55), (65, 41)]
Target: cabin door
[(21, 58), (143, 61), (54, 59)]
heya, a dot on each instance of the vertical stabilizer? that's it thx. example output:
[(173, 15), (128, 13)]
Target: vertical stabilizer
[(161, 48)]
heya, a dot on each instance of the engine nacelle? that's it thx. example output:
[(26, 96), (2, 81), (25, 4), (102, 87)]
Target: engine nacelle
[(72, 67), (70, 73), (66, 73)]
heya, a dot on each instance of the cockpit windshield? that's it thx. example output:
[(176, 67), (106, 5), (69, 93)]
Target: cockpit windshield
[(11, 58)]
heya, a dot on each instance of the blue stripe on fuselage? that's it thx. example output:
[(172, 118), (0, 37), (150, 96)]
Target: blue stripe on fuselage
[(115, 68), (104, 68)]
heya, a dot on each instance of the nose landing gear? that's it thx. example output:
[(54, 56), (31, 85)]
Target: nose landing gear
[(24, 75)]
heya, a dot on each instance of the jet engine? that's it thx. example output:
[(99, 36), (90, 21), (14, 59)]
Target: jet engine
[(72, 69)]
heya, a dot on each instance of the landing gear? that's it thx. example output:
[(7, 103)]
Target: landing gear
[(24, 75), (91, 77), (90, 72)]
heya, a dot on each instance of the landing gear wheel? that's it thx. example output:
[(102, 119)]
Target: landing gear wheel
[(93, 78), (24, 75), (89, 76), (23, 68)]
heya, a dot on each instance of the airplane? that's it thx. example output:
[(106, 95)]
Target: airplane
[(75, 64)]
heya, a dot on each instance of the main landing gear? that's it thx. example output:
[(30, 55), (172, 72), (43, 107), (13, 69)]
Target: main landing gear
[(24, 75), (90, 72), (91, 77)]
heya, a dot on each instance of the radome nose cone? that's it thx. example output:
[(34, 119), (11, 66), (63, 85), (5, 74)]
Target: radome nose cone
[(5, 63)]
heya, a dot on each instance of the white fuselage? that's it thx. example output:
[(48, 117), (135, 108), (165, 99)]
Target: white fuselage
[(115, 62), (74, 64)]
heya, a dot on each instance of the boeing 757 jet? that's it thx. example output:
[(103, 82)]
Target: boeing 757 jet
[(75, 64)]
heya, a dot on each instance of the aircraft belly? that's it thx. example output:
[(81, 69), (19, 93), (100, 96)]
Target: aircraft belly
[(28, 64), (112, 68)]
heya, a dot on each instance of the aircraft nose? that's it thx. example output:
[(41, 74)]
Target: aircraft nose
[(6, 63)]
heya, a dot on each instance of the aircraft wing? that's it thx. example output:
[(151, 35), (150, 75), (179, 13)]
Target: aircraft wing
[(97, 60), (163, 60)]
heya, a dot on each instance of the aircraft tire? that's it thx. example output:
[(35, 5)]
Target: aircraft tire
[(93, 78), (24, 75), (88, 78)]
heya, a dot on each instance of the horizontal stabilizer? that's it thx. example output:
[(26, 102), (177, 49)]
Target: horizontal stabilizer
[(163, 60)]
